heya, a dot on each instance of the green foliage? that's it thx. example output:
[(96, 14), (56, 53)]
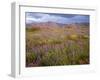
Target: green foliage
[(30, 57), (54, 57), (29, 44), (33, 29), (73, 37), (85, 37), (82, 58), (55, 41)]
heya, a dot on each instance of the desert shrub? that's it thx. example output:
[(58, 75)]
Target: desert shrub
[(56, 41), (32, 29), (85, 37), (72, 51), (82, 58), (66, 55), (29, 44), (33, 41), (73, 37), (54, 57), (30, 57), (77, 54), (71, 54)]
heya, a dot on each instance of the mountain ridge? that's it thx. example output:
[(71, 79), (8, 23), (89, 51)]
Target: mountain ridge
[(53, 24)]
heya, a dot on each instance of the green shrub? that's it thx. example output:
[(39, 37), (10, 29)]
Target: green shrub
[(73, 37), (69, 55), (30, 57), (32, 29), (85, 36), (54, 57), (29, 45), (82, 58)]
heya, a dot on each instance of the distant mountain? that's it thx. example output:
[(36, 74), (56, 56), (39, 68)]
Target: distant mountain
[(85, 24), (44, 24), (53, 24)]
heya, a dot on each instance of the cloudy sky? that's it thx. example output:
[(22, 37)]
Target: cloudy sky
[(32, 17)]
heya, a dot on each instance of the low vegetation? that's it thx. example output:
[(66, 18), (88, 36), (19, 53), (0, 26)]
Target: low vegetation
[(56, 46)]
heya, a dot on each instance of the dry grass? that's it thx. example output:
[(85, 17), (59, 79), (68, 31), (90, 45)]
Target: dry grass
[(57, 46)]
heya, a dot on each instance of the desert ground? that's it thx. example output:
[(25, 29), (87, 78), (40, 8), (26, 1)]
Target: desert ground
[(52, 44)]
